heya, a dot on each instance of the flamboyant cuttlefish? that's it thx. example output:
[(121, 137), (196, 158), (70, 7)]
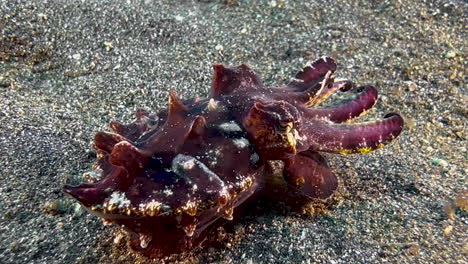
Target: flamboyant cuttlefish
[(167, 177)]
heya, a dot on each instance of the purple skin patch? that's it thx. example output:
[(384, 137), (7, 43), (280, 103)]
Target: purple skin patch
[(167, 177)]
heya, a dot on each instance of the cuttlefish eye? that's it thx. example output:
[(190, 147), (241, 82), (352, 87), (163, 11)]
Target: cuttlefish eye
[(284, 126)]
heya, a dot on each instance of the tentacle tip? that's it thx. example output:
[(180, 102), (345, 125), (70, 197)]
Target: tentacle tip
[(328, 59), (244, 68), (99, 136), (116, 126), (175, 104), (218, 68), (363, 88), (199, 126), (68, 189), (77, 192), (397, 118), (394, 115), (141, 114), (347, 86), (369, 91), (373, 90)]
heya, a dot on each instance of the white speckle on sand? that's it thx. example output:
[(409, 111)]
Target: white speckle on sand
[(179, 18)]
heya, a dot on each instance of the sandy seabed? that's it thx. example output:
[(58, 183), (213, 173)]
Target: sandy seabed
[(67, 68)]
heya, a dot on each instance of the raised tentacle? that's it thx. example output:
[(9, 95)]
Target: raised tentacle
[(308, 83), (310, 175), (329, 87), (313, 84), (347, 109), (305, 97), (312, 73), (319, 135)]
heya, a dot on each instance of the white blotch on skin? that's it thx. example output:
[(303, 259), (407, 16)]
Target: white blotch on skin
[(119, 199), (254, 158), (241, 142), (145, 240), (212, 155), (168, 192), (299, 137), (212, 105), (179, 167), (297, 80), (230, 127), (183, 162)]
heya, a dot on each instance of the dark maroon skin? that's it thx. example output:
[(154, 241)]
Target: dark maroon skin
[(166, 178)]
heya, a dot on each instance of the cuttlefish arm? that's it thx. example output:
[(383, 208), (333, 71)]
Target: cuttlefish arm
[(348, 109), (308, 173), (325, 136)]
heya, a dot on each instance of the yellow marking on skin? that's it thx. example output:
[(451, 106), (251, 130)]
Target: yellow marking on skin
[(262, 133), (323, 97), (222, 200), (106, 222), (255, 120), (111, 207), (152, 209), (248, 182), (364, 150), (291, 141), (227, 214), (345, 151), (310, 102), (380, 146), (245, 184), (288, 126), (100, 155), (192, 211), (299, 181), (190, 208)]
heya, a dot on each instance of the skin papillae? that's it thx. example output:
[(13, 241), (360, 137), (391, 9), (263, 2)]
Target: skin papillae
[(167, 177)]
